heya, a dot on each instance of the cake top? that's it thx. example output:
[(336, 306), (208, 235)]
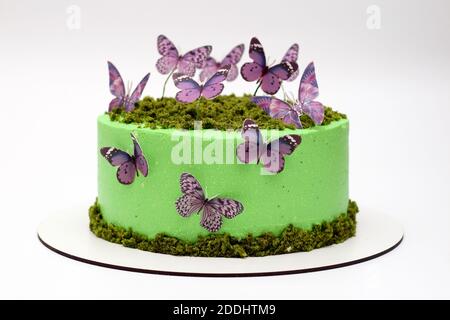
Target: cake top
[(222, 113), (200, 100)]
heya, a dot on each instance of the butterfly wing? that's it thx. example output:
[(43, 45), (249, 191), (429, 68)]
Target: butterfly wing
[(273, 158), (115, 157), (292, 117), (116, 103), (169, 53), (315, 110), (212, 91), (136, 95), (256, 52), (279, 109), (215, 208), (263, 102), (186, 67), (292, 56), (141, 162), (166, 47), (214, 86), (228, 208), (271, 81), (309, 89), (293, 76), (251, 149), (189, 185), (194, 59), (193, 196), (218, 77), (197, 56), (187, 204), (251, 71), (234, 56), (211, 219), (190, 89), (116, 87), (233, 73), (126, 172), (231, 59), (284, 70), (209, 69), (166, 64)]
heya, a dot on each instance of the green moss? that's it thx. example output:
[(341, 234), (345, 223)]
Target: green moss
[(292, 239), (223, 112)]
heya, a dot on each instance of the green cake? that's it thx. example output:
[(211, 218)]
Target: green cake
[(177, 176)]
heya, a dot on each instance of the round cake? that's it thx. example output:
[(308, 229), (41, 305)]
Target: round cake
[(221, 176)]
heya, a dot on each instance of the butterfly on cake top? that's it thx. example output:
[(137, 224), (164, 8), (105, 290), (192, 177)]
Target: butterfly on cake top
[(172, 60), (268, 78), (117, 88), (191, 90), (231, 59), (129, 165), (290, 112), (271, 155), (291, 56), (182, 69), (194, 200)]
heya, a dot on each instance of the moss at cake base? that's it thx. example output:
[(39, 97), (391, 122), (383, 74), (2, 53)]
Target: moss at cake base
[(290, 240)]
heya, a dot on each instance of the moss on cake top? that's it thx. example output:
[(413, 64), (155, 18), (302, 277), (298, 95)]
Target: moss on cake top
[(223, 112)]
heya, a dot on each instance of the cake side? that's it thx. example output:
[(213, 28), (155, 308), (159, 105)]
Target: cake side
[(312, 188)]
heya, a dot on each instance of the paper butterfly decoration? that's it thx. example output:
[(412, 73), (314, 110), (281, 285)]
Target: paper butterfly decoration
[(171, 60), (129, 165), (191, 90), (290, 114), (193, 200), (268, 77), (271, 155), (292, 56), (117, 88), (231, 59)]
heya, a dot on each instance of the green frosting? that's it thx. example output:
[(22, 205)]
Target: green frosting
[(224, 112), (312, 188), (291, 239)]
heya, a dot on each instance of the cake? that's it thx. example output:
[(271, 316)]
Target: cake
[(204, 174)]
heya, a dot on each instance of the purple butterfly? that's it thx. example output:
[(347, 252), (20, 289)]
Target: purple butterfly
[(292, 56), (193, 200), (271, 155), (129, 165), (171, 60), (290, 113), (117, 88), (191, 90), (269, 78), (231, 59)]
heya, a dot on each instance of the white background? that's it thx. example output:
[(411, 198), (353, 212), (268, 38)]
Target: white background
[(393, 82)]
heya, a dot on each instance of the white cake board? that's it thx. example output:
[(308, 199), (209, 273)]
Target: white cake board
[(69, 235)]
